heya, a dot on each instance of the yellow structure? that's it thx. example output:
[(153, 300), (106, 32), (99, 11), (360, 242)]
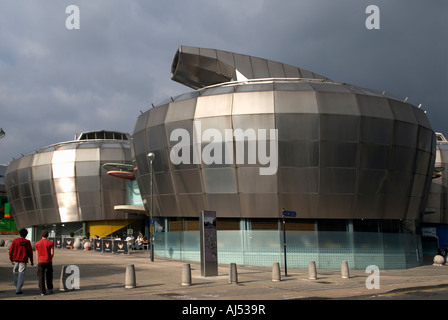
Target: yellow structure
[(106, 228)]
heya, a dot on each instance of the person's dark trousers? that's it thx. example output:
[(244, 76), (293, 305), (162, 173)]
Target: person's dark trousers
[(45, 276)]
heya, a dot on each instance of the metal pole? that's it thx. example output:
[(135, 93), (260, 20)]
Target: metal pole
[(151, 220), (284, 242)]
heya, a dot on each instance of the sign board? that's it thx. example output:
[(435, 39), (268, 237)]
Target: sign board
[(209, 244), (120, 246), (97, 245), (107, 246), (67, 243), (289, 213)]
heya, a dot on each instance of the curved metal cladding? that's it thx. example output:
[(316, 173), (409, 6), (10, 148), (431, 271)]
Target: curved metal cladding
[(65, 182), (343, 151), (437, 208)]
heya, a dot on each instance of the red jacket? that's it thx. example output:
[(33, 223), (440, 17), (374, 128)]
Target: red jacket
[(21, 250)]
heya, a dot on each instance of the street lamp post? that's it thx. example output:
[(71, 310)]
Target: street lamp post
[(151, 157)]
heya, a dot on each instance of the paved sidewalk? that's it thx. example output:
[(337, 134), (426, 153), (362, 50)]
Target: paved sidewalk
[(102, 277)]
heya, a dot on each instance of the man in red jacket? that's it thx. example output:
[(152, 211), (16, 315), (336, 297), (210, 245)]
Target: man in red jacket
[(45, 253), (19, 253)]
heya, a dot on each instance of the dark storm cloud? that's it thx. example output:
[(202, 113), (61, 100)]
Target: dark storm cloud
[(56, 82)]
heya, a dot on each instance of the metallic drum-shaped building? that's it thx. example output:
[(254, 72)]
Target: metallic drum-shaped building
[(65, 183), (258, 136)]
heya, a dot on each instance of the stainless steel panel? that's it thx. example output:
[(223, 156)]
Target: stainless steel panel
[(376, 130), (260, 67), (156, 137), (190, 204), (28, 203), (337, 103), (374, 156), (64, 185), (90, 184), (295, 102), (306, 205), (214, 106), (338, 154), (168, 205), (298, 153), (253, 102), (405, 134), (219, 180), (181, 110), (374, 107), (25, 190), (25, 162), (421, 118), (92, 154), (42, 159), (275, 69), (298, 180), (259, 205), (250, 181), (112, 155), (141, 122), (187, 181), (88, 198), (225, 205), (24, 175), (64, 156), (370, 207), (243, 65), (336, 206), (50, 216), (47, 201), (88, 168), (254, 122), (418, 185), (164, 183), (339, 127), (301, 126), (402, 111), (337, 180), (41, 172), (370, 182), (396, 207)]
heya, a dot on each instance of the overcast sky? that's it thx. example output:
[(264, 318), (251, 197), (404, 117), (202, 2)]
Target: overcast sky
[(56, 82)]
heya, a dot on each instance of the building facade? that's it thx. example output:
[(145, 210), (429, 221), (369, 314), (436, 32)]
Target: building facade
[(355, 164), (64, 188)]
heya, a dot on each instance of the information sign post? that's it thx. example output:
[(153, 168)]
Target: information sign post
[(286, 213)]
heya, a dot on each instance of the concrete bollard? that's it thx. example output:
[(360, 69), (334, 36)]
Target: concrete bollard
[(312, 273), (186, 275), (438, 260), (344, 270), (130, 277), (276, 272), (233, 275)]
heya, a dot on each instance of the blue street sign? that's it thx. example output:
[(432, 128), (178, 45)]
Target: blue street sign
[(289, 213)]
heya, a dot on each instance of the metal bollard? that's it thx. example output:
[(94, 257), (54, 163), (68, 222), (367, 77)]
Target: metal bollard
[(130, 277), (312, 273), (276, 272), (186, 275), (233, 275), (344, 270)]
